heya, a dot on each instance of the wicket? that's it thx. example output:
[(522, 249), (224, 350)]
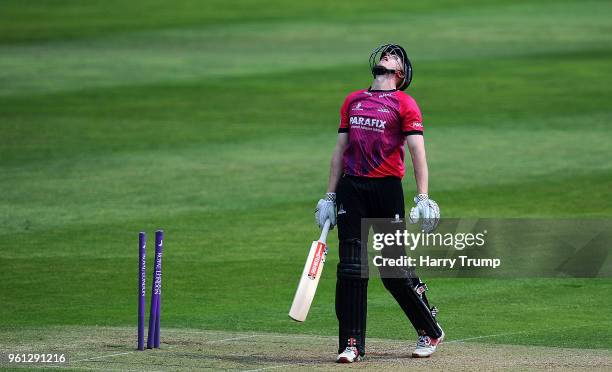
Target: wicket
[(154, 315), (142, 287)]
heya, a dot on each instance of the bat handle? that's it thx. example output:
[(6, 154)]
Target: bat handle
[(325, 231)]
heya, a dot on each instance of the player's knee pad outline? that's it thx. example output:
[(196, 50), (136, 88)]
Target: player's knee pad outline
[(352, 265)]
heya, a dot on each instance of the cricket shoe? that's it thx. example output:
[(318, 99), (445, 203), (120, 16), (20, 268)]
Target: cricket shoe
[(427, 345), (350, 354)]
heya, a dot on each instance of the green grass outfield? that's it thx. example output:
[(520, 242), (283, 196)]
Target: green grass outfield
[(216, 121)]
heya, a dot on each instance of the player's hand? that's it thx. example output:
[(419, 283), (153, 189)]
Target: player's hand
[(326, 209), (427, 211)]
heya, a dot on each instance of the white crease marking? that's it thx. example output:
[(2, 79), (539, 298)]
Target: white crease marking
[(230, 339), (271, 367), (100, 356)]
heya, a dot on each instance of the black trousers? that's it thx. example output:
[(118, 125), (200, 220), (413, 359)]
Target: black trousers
[(358, 198)]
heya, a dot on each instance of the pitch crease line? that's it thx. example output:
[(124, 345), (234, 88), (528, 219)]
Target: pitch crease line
[(230, 339), (100, 356), (271, 367)]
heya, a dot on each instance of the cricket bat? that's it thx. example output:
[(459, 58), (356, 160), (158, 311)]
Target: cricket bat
[(310, 277)]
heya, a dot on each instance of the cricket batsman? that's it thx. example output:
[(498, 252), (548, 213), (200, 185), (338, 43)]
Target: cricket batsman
[(366, 170)]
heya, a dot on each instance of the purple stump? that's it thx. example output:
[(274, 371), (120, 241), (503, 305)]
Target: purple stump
[(155, 291), (142, 271), (159, 244)]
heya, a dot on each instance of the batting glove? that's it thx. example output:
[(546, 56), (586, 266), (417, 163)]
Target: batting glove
[(326, 209), (427, 211)]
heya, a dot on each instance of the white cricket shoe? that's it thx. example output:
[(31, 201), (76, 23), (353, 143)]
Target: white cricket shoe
[(349, 355), (427, 346)]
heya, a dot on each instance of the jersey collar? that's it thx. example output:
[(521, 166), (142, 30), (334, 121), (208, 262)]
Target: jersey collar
[(381, 90)]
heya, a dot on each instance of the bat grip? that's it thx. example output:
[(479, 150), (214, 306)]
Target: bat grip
[(325, 231)]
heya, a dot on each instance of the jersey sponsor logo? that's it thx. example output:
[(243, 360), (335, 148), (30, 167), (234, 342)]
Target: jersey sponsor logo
[(319, 257), (416, 124), (357, 107), (384, 109), (367, 122), (385, 95)]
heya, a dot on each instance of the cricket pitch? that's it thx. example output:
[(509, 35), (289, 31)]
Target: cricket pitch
[(114, 349)]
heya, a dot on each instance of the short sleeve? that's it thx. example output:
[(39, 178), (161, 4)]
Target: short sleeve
[(411, 118), (344, 115)]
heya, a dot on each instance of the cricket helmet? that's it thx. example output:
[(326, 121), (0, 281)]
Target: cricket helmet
[(393, 49)]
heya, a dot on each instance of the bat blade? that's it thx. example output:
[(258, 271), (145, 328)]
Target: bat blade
[(308, 281)]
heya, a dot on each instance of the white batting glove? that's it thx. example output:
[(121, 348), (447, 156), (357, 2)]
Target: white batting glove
[(427, 211), (326, 209)]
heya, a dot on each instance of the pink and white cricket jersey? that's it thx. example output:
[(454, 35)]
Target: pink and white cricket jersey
[(377, 123)]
